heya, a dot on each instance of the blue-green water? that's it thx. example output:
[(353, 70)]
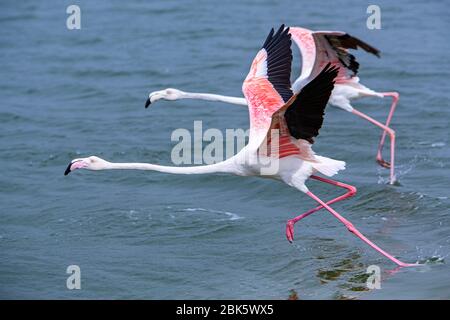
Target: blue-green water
[(66, 94)]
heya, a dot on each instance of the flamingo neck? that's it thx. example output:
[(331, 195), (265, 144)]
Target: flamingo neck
[(213, 168), (214, 97)]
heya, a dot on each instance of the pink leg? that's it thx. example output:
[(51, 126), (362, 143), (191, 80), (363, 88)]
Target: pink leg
[(391, 135), (395, 97), (353, 230), (290, 223)]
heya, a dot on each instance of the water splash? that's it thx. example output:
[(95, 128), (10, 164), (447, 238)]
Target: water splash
[(232, 216), (402, 170), (438, 144), (435, 258), (432, 260)]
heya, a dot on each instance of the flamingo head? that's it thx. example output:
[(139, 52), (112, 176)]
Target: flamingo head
[(166, 94), (89, 163)]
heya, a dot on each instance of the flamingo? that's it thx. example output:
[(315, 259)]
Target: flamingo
[(319, 48), (272, 106)]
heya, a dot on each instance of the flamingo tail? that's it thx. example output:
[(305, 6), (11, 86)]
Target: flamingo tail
[(327, 166)]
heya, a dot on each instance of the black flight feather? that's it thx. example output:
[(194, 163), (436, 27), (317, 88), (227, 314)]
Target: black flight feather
[(279, 61), (340, 43), (304, 117)]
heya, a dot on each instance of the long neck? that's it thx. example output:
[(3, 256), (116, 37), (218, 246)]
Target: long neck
[(224, 167), (214, 97)]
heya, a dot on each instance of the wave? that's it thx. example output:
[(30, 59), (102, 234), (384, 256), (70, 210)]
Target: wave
[(232, 216)]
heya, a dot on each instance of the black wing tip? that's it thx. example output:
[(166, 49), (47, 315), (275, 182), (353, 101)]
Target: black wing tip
[(340, 44), (279, 60), (331, 70), (282, 32), (284, 28), (363, 45), (269, 37), (281, 29)]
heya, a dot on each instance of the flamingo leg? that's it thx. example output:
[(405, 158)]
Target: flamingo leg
[(391, 133), (353, 230), (290, 223), (395, 97)]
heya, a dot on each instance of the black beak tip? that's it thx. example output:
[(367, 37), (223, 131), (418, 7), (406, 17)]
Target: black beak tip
[(67, 169), (147, 103)]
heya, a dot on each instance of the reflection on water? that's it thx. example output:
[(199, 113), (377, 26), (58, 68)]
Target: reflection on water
[(293, 295), (349, 274)]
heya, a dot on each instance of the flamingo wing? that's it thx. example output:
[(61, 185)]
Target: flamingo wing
[(321, 47), (267, 86), (304, 40), (337, 44), (304, 112)]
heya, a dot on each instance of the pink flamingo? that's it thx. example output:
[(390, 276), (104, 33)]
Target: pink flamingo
[(296, 118), (319, 48)]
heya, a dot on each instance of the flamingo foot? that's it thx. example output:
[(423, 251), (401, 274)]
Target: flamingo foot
[(383, 163), (290, 230)]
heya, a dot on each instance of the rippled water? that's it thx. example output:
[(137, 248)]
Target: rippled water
[(149, 235)]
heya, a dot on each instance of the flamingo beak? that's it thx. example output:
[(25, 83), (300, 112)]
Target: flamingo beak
[(73, 165), (147, 103)]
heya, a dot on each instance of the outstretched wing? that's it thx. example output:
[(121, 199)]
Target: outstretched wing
[(340, 42), (304, 116), (267, 86), (322, 47)]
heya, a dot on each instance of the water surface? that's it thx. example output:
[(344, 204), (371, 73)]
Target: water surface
[(147, 235)]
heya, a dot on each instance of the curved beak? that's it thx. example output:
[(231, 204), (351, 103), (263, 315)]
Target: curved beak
[(147, 103), (73, 165), (68, 169)]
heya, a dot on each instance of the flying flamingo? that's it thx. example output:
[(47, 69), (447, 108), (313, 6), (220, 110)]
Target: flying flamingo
[(319, 48), (273, 107)]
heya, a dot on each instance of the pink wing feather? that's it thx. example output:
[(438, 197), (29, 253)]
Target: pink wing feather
[(267, 85), (318, 48)]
